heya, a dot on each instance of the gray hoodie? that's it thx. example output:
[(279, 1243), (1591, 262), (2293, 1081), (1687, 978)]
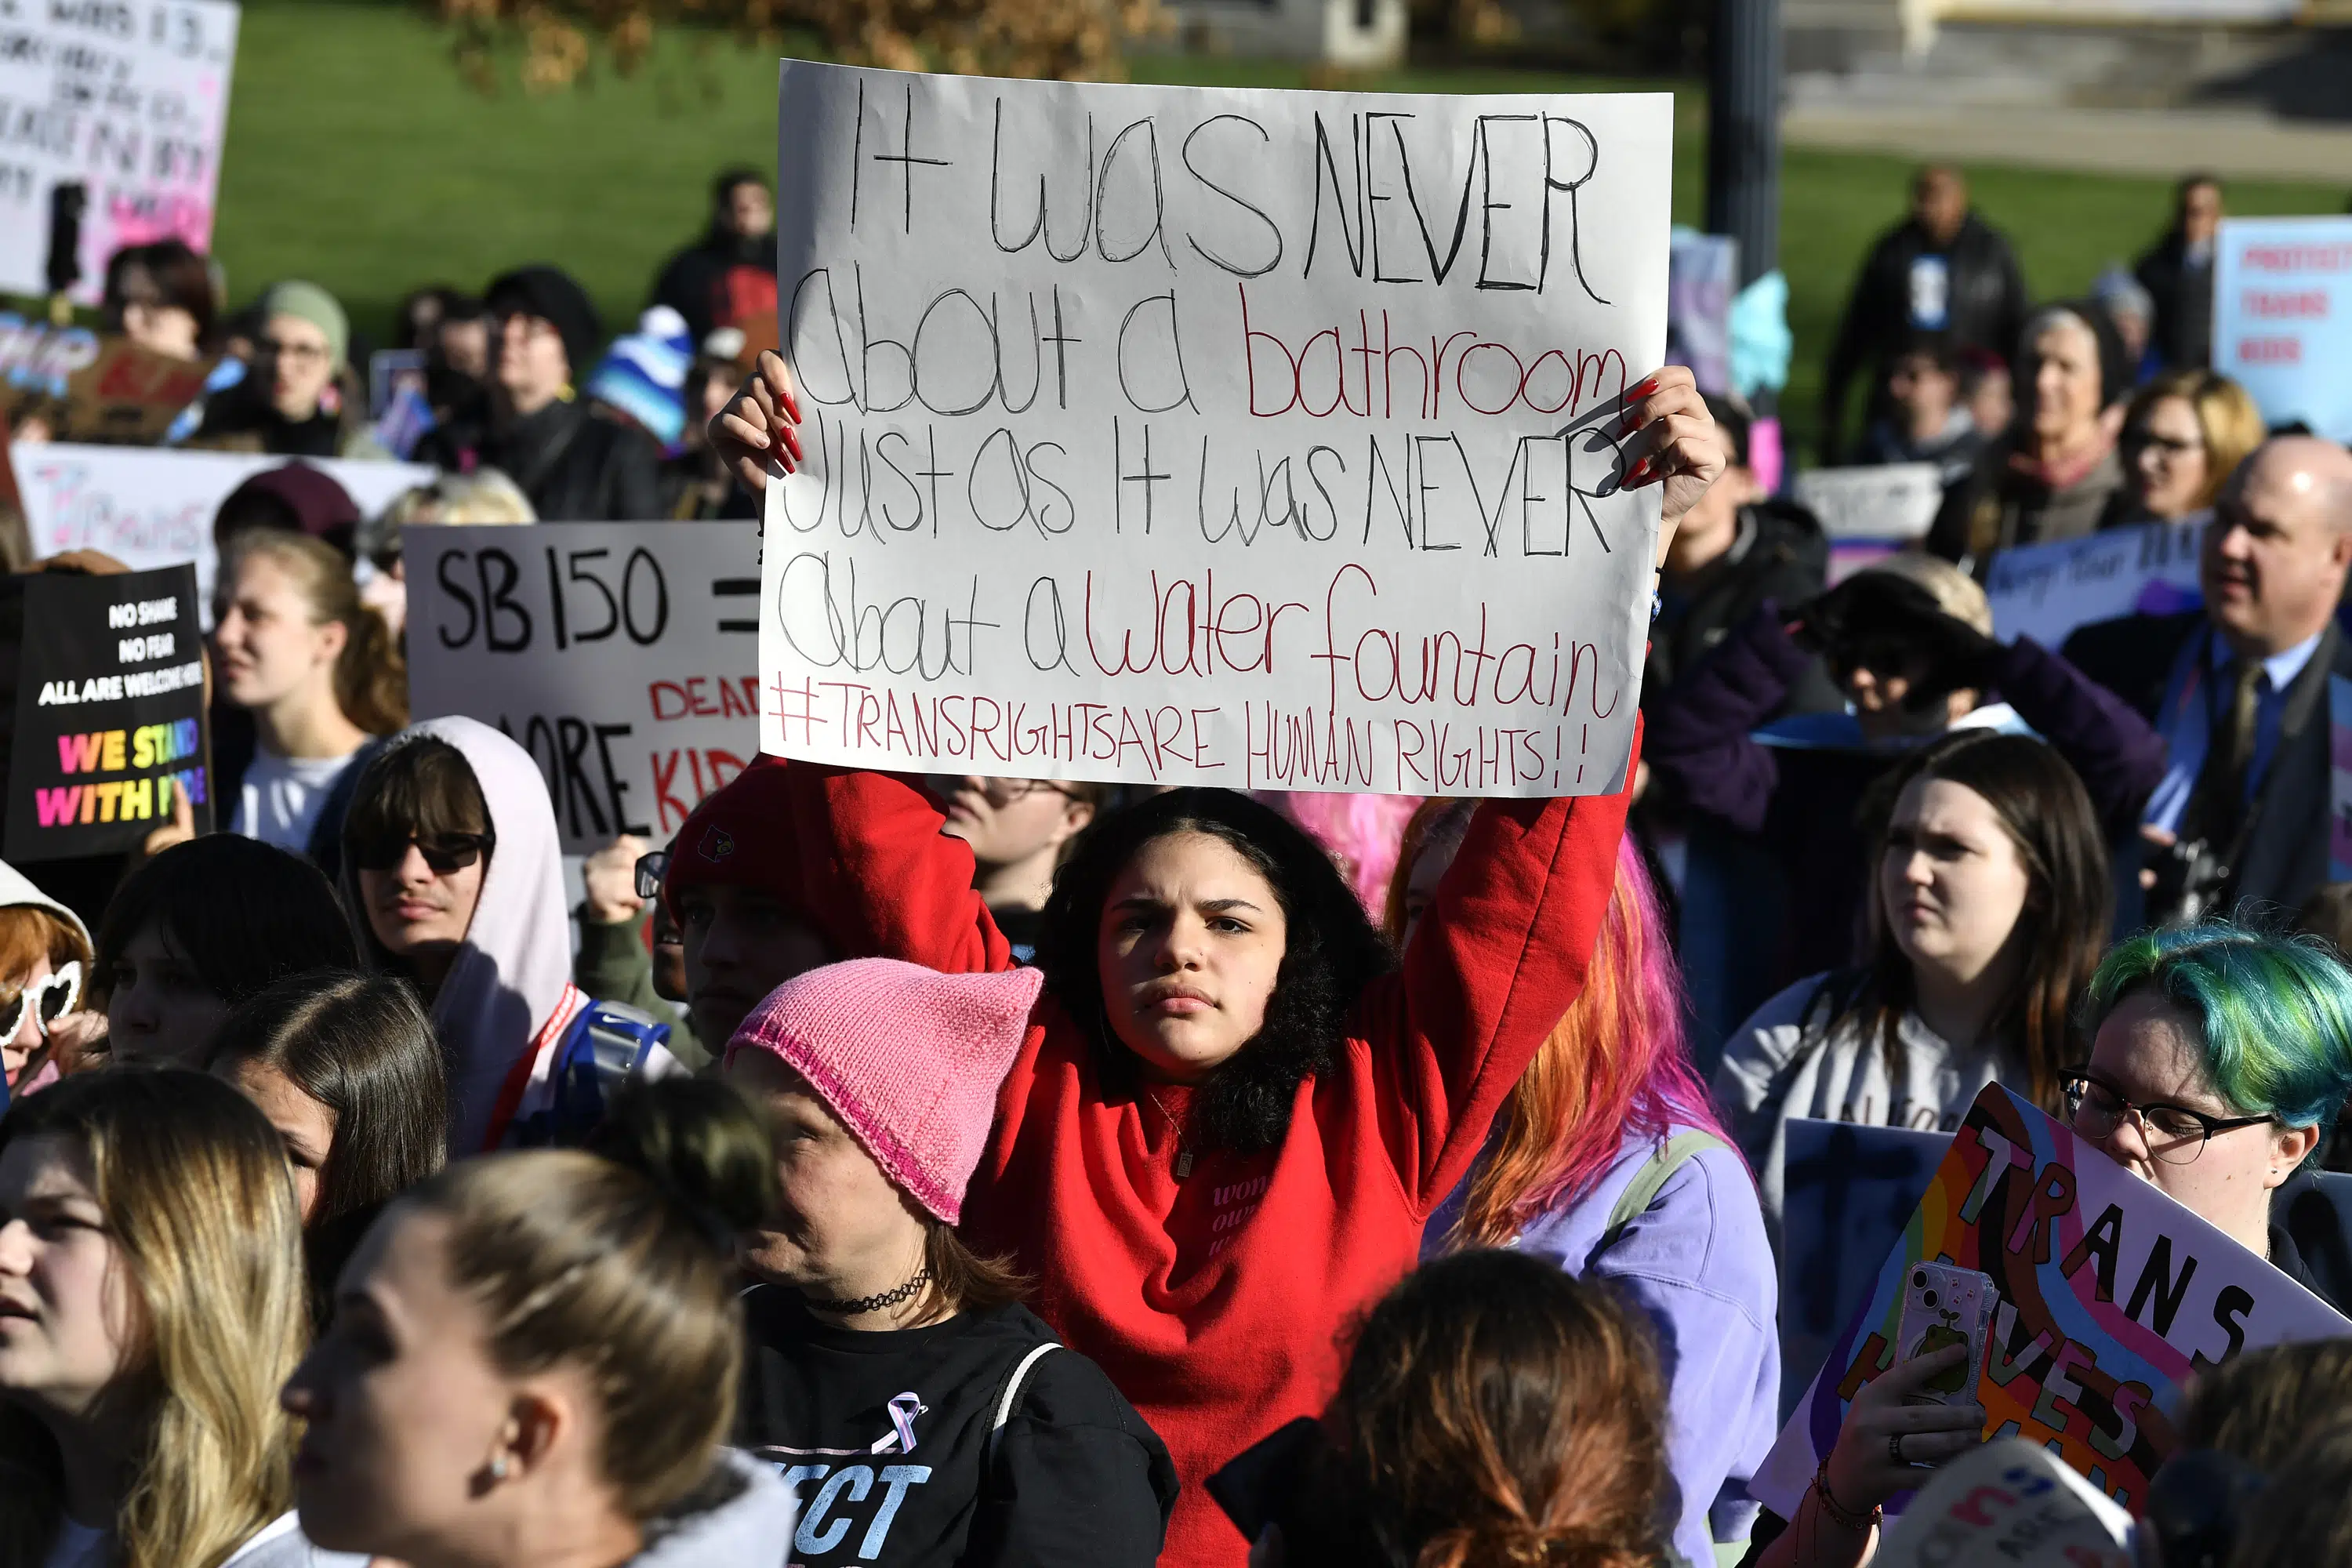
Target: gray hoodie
[(1791, 1058)]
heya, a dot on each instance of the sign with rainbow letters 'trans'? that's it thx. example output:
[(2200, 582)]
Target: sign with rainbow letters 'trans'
[(1192, 435), (2111, 1296)]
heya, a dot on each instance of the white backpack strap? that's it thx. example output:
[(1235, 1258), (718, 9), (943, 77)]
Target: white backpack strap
[(1011, 1396)]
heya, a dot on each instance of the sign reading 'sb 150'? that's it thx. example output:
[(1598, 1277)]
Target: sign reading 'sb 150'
[(1181, 436)]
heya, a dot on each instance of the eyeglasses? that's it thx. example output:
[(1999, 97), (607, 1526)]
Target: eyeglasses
[(443, 852), (2174, 1133), (998, 791), (45, 1001), (274, 348), (651, 869), (2148, 440)]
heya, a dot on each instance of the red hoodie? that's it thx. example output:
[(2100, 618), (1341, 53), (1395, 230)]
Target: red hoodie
[(1218, 1303)]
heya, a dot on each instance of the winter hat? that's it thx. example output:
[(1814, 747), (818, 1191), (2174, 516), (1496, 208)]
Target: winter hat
[(908, 1058), (293, 496), (739, 835), (550, 293), (308, 303), (644, 374)]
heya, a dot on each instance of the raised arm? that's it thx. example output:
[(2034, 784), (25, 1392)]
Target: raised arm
[(1493, 966), (1699, 746), (882, 881), (2118, 755)]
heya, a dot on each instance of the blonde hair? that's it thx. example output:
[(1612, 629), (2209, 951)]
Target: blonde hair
[(2226, 417), (484, 496), (622, 1266), (371, 675), (1956, 592), (192, 1183)]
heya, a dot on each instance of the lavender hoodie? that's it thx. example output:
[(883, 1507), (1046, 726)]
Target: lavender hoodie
[(1697, 1263)]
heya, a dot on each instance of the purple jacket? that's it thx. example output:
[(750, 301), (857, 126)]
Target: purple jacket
[(1698, 1264), (1802, 800)]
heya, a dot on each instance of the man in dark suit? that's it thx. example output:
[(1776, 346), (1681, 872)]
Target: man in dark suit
[(2239, 689)]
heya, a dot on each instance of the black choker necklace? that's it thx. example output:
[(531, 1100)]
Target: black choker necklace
[(872, 1303)]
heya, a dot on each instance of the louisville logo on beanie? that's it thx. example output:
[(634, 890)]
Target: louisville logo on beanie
[(907, 1058)]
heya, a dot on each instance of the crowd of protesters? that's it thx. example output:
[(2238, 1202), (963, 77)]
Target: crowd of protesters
[(965, 1170)]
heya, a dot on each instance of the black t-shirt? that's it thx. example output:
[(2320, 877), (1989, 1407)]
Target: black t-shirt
[(884, 1441)]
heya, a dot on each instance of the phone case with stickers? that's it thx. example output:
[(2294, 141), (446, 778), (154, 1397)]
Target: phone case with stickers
[(1946, 1306)]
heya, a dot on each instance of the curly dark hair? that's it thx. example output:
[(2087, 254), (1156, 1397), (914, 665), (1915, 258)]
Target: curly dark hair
[(1331, 952)]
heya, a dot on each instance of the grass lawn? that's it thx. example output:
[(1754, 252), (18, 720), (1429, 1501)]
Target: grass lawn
[(358, 158)]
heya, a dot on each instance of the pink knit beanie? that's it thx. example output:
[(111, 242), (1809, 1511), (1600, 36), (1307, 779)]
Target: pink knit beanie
[(908, 1058)]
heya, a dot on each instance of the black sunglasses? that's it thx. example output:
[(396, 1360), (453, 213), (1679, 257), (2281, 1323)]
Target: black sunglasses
[(443, 852), (651, 868)]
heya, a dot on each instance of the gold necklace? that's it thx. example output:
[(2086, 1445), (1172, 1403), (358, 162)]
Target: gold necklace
[(1183, 1155)]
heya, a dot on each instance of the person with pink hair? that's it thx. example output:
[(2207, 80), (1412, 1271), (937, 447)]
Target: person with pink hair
[(1361, 832), (1608, 1160)]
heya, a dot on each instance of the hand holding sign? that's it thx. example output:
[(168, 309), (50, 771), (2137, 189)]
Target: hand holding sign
[(1674, 442), (1674, 439), (761, 419), (178, 831), (1885, 1440)]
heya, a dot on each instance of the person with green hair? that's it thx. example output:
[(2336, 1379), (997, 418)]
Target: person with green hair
[(2219, 1058)]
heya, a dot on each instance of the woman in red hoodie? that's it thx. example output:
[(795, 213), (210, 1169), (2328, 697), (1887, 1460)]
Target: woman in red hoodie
[(1231, 1118)]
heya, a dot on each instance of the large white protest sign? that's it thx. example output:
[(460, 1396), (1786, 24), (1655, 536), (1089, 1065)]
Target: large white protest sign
[(1883, 501), (1178, 434), (2283, 317), (147, 507), (2045, 591), (127, 99), (621, 655)]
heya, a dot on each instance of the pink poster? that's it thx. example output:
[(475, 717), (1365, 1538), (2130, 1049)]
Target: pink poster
[(117, 116)]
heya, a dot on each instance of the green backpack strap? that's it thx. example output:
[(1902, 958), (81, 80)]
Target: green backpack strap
[(1651, 1179)]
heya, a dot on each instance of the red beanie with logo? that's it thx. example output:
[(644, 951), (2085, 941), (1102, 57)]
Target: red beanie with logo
[(739, 835)]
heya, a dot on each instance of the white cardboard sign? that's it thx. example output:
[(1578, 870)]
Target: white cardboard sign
[(127, 98), (150, 507), (1885, 500), (620, 655), (1194, 435)]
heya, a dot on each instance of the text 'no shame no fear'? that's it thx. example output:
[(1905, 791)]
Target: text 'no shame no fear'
[(1159, 400)]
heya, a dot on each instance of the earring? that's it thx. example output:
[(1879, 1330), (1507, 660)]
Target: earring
[(498, 1469)]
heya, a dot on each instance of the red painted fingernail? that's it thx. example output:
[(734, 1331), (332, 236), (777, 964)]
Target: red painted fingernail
[(792, 405), (1642, 388), (1638, 472)]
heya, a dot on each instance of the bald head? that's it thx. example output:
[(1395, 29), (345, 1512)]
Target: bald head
[(2280, 546), (2307, 473)]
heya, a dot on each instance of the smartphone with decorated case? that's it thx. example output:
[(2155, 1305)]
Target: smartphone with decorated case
[(1946, 1306)]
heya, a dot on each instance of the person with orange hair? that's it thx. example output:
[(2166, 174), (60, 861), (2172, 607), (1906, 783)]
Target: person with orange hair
[(1608, 1162)]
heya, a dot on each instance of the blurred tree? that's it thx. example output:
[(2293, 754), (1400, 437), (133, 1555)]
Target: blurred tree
[(1072, 41)]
